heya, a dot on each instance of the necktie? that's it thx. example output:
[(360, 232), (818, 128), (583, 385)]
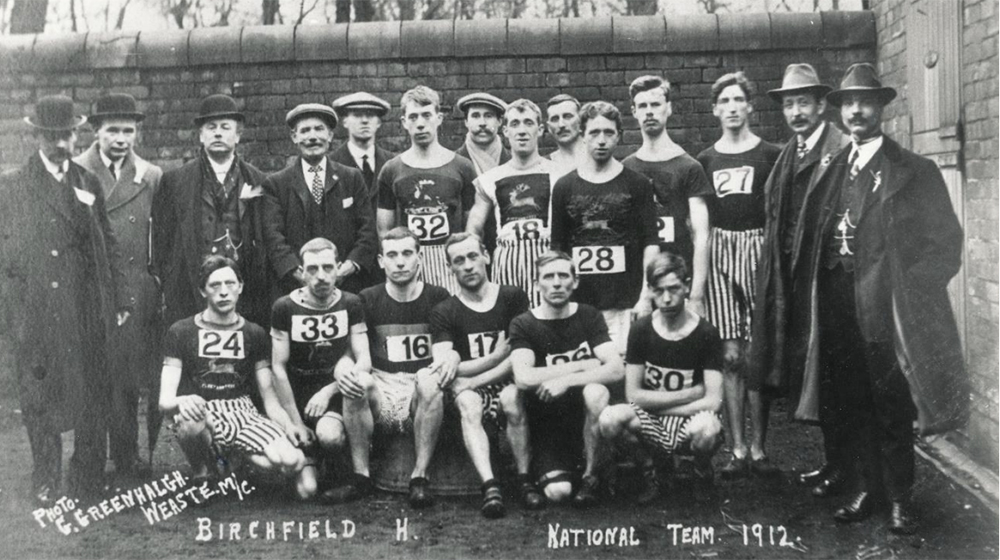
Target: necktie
[(113, 171), (802, 151), (367, 171), (317, 185), (853, 162)]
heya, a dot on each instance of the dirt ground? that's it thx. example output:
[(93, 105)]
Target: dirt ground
[(954, 524)]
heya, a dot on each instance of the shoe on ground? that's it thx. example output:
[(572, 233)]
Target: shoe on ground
[(44, 495), (832, 485), (359, 487), (859, 508), (764, 468), (737, 467), (420, 493), (531, 498), (814, 477), (586, 496), (901, 518), (492, 507)]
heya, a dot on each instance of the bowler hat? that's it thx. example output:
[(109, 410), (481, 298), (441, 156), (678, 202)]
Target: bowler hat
[(218, 106), (361, 100), (55, 112), (115, 105), (311, 109), (799, 78), (861, 77), (481, 98)]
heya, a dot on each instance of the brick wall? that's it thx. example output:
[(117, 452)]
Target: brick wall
[(271, 69), (978, 162)]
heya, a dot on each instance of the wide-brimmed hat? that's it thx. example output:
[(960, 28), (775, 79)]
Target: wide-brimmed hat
[(861, 77), (482, 98), (799, 78), (361, 101), (121, 105), (55, 112), (312, 109), (218, 106)]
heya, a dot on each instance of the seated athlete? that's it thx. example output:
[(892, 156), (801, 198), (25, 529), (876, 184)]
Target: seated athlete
[(672, 378), (314, 330), (404, 387), (563, 360), (474, 323), (209, 362)]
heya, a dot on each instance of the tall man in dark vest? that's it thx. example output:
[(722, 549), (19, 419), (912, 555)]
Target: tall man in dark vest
[(211, 205), (317, 197), (60, 300), (883, 242), (776, 349), (128, 183), (361, 115)]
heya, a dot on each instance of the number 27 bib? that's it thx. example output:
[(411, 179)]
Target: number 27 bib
[(599, 259)]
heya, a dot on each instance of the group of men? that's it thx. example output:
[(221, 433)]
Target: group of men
[(569, 302)]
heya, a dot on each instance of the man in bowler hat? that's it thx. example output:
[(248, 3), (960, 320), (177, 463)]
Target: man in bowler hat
[(882, 242), (775, 355), (211, 205), (61, 296), (128, 183), (318, 197)]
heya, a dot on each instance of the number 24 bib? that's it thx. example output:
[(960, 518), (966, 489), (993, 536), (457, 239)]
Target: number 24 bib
[(221, 344)]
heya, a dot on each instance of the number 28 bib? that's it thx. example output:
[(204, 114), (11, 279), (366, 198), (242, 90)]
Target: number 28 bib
[(599, 259)]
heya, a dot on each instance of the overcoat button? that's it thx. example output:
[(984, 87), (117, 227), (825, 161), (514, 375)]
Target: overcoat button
[(55, 253), (55, 285)]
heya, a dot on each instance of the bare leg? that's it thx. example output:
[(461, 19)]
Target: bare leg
[(427, 417), (595, 398), (360, 423), (470, 405), (735, 390), (512, 402), (196, 443)]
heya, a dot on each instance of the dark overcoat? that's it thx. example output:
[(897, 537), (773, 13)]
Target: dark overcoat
[(58, 297), (777, 351), (347, 205), (176, 242), (135, 348), (905, 271)]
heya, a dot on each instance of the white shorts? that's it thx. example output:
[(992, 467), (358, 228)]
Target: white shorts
[(619, 322), (396, 392)]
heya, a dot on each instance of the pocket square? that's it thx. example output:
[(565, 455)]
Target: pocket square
[(85, 197), (348, 202)]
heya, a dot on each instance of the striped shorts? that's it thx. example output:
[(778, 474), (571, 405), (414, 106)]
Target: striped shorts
[(237, 425), (435, 270), (731, 281), (490, 394), (514, 265), (664, 433)]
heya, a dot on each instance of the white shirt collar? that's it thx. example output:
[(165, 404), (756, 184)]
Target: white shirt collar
[(221, 169), (107, 163), (866, 151), (814, 137), (56, 171), (308, 174), (357, 154)]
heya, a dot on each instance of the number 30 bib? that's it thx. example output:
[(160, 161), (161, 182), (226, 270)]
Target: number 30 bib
[(599, 259)]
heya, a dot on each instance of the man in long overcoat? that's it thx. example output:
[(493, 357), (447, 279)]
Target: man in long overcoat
[(128, 183), (212, 205), (882, 244), (60, 298), (777, 347)]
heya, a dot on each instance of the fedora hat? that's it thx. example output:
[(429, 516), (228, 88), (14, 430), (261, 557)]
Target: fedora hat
[(115, 105), (482, 98), (861, 77), (311, 109), (361, 101), (218, 106), (799, 78), (55, 112)]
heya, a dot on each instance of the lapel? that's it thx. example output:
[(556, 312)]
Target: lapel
[(130, 183), (300, 186), (42, 186), (888, 172), (331, 178)]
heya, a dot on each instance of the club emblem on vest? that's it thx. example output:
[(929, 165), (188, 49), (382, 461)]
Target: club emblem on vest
[(523, 202)]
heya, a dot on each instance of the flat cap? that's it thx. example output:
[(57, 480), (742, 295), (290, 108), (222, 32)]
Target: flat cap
[(312, 109), (481, 98), (361, 100)]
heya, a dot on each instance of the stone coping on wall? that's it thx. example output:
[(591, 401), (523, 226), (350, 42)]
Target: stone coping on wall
[(395, 40)]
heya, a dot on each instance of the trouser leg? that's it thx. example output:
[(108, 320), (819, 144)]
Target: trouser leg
[(892, 422), (124, 427), (46, 450)]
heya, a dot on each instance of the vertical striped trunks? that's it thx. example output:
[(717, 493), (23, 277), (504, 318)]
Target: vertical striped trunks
[(236, 424), (434, 269), (514, 264), (731, 279)]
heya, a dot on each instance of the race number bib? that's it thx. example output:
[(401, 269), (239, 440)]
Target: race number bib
[(484, 343), (319, 328), (408, 347), (599, 260), (429, 227), (668, 379), (665, 228), (735, 180), (530, 228), (221, 344), (582, 352)]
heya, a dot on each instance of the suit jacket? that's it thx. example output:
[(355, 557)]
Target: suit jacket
[(176, 242), (60, 289), (347, 205), (342, 155), (777, 350), (908, 246), (134, 355)]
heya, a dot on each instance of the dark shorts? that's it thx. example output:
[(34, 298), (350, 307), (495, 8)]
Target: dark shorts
[(556, 431)]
